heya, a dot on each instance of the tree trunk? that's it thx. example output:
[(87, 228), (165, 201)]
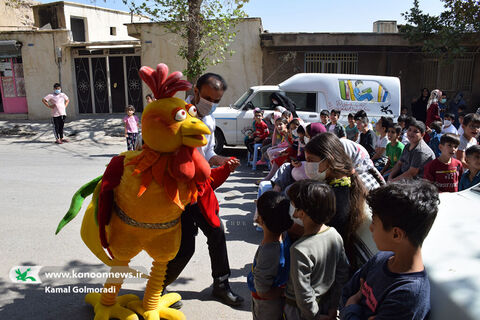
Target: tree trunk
[(193, 39)]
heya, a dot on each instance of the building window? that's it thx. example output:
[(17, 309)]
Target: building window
[(113, 31), (454, 76), (331, 62), (77, 25)]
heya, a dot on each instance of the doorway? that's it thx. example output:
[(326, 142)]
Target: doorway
[(107, 80), (12, 86)]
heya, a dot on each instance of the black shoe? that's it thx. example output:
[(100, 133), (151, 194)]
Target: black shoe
[(177, 305), (222, 291)]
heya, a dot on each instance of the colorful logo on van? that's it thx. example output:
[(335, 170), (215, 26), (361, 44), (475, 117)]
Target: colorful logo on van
[(358, 90)]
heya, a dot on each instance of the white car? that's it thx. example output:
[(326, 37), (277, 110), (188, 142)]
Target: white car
[(311, 92)]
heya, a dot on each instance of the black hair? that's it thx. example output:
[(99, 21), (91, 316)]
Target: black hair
[(462, 114), (418, 124), (315, 198), (402, 118), (449, 115), (324, 113), (274, 208), (258, 111), (301, 130), (409, 120), (283, 120), (149, 96), (450, 138), (409, 205), (386, 123), (56, 85), (436, 126), (205, 79), (350, 115), (295, 122), (475, 149), (397, 128), (361, 115), (471, 118), (129, 107), (335, 111)]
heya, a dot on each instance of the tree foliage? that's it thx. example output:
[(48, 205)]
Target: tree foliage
[(206, 27), (443, 35)]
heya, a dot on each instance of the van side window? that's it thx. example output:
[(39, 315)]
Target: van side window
[(305, 101), (366, 91), (262, 100)]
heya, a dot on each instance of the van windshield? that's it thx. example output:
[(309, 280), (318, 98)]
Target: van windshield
[(243, 98)]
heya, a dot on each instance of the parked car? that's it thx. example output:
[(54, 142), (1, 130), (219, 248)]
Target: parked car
[(311, 92)]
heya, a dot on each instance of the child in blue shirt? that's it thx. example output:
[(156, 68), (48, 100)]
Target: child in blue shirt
[(472, 176), (435, 136), (269, 273), (394, 284)]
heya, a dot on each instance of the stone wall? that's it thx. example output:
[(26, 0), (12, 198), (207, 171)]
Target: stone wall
[(241, 71)]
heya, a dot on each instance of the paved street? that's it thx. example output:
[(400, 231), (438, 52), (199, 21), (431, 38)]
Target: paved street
[(38, 179)]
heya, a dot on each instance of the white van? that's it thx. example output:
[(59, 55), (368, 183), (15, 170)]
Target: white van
[(311, 92)]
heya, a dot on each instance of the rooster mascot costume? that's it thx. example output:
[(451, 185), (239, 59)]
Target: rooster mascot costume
[(137, 202)]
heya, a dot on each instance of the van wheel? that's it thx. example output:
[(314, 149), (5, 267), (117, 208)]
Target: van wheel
[(219, 141)]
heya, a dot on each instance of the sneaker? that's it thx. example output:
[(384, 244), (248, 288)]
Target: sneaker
[(261, 162)]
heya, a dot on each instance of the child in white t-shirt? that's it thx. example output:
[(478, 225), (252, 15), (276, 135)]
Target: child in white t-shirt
[(471, 127), (448, 126)]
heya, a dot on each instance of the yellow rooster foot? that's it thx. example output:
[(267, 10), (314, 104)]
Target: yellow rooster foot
[(116, 311), (163, 311)]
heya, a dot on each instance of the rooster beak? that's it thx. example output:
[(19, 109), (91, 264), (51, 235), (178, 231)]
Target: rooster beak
[(193, 131)]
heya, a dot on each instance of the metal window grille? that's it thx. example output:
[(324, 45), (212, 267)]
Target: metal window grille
[(331, 62), (454, 76)]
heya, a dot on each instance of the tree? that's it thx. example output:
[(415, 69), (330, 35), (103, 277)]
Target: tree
[(206, 27), (443, 35)]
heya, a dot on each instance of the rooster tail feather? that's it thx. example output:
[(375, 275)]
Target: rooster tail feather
[(77, 201)]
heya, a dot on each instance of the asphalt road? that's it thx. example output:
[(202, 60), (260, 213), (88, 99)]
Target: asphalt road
[(37, 181)]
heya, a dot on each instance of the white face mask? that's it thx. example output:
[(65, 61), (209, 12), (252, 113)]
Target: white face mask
[(311, 170), (447, 123), (204, 107), (291, 211), (306, 139)]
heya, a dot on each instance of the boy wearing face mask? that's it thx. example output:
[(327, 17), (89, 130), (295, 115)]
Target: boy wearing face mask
[(318, 264), (442, 105), (448, 126), (57, 102)]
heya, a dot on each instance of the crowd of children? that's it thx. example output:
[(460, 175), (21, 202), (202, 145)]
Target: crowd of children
[(313, 266)]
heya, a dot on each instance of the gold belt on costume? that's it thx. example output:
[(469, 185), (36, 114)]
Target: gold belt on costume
[(132, 222)]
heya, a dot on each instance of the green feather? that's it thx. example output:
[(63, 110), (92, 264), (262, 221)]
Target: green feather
[(77, 201)]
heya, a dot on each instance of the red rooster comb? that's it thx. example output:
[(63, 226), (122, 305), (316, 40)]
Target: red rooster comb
[(161, 85)]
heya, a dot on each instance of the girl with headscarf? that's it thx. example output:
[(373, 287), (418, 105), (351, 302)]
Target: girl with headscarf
[(419, 106), (327, 161), (433, 112)]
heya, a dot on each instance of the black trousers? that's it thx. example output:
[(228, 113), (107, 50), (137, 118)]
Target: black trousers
[(249, 143), (192, 219), (58, 123)]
